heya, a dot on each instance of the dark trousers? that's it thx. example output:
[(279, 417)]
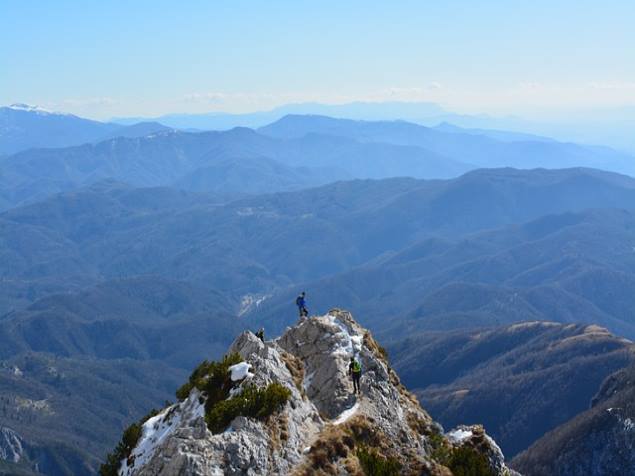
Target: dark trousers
[(303, 311), (356, 377)]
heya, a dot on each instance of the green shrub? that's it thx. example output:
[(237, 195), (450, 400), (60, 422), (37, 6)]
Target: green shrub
[(374, 464), (441, 449), (213, 378), (129, 440), (252, 402), (466, 461)]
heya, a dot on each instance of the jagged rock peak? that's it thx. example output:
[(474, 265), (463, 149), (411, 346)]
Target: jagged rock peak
[(322, 428)]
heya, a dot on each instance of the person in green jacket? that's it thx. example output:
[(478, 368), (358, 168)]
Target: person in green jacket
[(355, 371)]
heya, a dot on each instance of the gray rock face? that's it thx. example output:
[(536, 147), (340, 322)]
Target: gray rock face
[(325, 345), (11, 445), (310, 359)]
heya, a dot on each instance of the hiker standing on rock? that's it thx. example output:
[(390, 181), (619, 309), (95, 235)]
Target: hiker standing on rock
[(355, 371), (300, 301)]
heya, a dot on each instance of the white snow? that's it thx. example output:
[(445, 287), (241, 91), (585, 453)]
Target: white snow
[(458, 436), (346, 414), (159, 427), (357, 343), (154, 431), (306, 450), (349, 344), (17, 372), (29, 108), (240, 371)]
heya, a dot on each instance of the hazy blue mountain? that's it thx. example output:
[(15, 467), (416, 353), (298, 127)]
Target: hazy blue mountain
[(292, 153), (520, 381), (356, 110), (254, 175), (505, 136), (67, 412), (142, 318), (24, 127), (237, 161), (482, 150), (140, 129), (568, 268), (405, 234)]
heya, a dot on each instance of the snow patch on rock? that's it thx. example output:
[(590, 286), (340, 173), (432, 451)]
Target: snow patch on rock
[(346, 414), (240, 371), (459, 436), (158, 428)]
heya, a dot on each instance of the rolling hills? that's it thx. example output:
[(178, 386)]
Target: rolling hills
[(520, 381), (159, 278)]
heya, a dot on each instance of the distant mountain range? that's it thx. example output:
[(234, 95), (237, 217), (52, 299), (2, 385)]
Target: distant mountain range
[(492, 149), (563, 266), (293, 153), (612, 127), (383, 111), (112, 231)]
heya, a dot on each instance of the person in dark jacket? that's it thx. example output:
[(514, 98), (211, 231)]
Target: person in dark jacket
[(261, 334), (355, 371), (300, 301)]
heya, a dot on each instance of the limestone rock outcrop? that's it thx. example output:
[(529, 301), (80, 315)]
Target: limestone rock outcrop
[(323, 428)]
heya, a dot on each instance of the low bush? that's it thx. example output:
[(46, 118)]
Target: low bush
[(462, 461), (252, 402), (375, 464), (466, 461), (213, 378)]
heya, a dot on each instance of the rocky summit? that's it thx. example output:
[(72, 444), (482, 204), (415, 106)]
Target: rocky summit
[(316, 426)]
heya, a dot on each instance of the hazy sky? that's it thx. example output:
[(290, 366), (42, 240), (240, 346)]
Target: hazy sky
[(113, 58)]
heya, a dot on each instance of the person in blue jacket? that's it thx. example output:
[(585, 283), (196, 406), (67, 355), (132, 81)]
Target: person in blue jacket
[(300, 301)]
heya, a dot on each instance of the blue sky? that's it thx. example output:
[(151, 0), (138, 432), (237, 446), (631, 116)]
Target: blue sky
[(113, 58)]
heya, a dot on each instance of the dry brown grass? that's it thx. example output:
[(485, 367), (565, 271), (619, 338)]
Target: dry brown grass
[(274, 433), (375, 348), (419, 424), (278, 430), (296, 369), (335, 450)]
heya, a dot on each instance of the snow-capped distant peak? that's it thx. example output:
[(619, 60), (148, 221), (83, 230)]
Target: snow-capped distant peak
[(29, 108)]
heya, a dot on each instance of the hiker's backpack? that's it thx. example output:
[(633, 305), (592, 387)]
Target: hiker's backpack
[(357, 367)]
